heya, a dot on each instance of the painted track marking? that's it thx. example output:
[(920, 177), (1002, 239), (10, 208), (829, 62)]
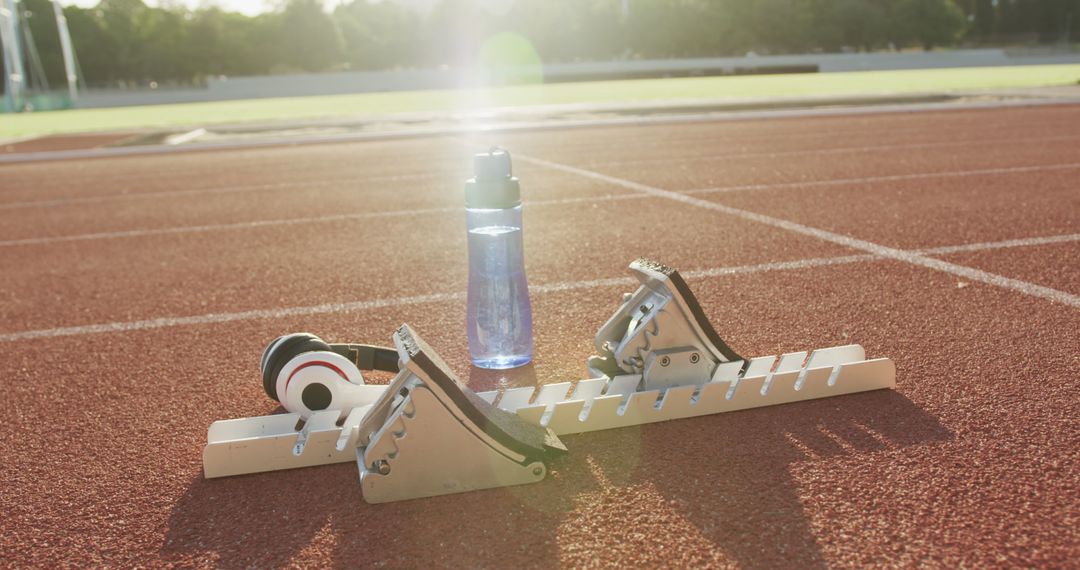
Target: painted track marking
[(911, 257), (541, 289), (269, 187), (1024, 242), (835, 150), (887, 178), (185, 137), (398, 213), (318, 183), (290, 222)]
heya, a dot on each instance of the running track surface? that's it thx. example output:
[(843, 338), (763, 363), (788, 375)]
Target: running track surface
[(138, 293)]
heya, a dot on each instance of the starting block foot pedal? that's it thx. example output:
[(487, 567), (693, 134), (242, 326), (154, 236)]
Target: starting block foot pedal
[(431, 435)]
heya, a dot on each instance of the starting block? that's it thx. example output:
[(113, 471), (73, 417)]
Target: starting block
[(426, 433)]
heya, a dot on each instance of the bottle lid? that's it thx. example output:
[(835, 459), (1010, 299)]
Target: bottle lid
[(493, 185)]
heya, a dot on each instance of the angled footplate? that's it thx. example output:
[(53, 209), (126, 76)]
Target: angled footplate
[(660, 333), (430, 435)]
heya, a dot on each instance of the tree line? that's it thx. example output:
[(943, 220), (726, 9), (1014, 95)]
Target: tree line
[(127, 42)]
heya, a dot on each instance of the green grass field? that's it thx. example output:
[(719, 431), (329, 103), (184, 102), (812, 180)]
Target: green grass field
[(372, 104)]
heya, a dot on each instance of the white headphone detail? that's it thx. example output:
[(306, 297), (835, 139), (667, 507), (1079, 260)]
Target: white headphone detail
[(307, 375)]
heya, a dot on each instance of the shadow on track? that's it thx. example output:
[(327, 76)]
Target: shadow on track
[(310, 516), (727, 475), (730, 475)]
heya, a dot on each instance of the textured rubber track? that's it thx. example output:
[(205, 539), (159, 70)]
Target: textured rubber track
[(971, 461)]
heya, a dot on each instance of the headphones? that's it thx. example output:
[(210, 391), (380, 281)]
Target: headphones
[(307, 374)]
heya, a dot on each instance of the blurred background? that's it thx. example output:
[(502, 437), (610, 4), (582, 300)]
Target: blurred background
[(118, 53)]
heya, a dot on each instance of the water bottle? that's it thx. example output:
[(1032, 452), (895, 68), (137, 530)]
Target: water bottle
[(499, 312)]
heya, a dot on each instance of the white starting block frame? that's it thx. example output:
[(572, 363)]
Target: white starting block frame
[(269, 443)]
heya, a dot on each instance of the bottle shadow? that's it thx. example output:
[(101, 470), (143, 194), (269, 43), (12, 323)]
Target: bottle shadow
[(728, 475)]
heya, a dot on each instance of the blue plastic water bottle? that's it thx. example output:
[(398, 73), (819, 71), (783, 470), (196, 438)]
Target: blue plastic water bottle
[(500, 315)]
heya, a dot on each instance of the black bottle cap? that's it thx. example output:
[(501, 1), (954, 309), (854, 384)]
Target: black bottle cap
[(493, 185)]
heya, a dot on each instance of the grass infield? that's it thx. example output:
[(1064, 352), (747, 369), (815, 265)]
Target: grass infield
[(646, 90)]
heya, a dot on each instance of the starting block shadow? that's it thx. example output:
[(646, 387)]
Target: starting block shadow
[(729, 475)]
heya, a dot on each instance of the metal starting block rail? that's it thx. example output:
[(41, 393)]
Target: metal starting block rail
[(599, 404)]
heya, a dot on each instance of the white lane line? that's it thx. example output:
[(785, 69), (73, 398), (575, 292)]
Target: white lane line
[(276, 186), (545, 288), (886, 178), (835, 150), (229, 317), (778, 266), (291, 221), (397, 213), (910, 257), (301, 185), (185, 137), (540, 289), (1025, 242), (140, 196), (218, 227)]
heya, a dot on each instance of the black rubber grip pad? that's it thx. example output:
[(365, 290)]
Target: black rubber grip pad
[(368, 357), (534, 442), (692, 303)]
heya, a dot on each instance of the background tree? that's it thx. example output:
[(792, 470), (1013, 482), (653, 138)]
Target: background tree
[(309, 37), (927, 22), (91, 42), (984, 19), (220, 43), (43, 27), (856, 24), (380, 35), (125, 42)]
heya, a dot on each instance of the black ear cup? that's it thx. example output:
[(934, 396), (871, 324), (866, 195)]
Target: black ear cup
[(316, 396), (281, 351)]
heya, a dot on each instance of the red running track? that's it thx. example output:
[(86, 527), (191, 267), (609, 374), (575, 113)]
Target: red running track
[(972, 460)]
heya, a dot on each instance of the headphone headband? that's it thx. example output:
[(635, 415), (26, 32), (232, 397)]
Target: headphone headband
[(369, 357)]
